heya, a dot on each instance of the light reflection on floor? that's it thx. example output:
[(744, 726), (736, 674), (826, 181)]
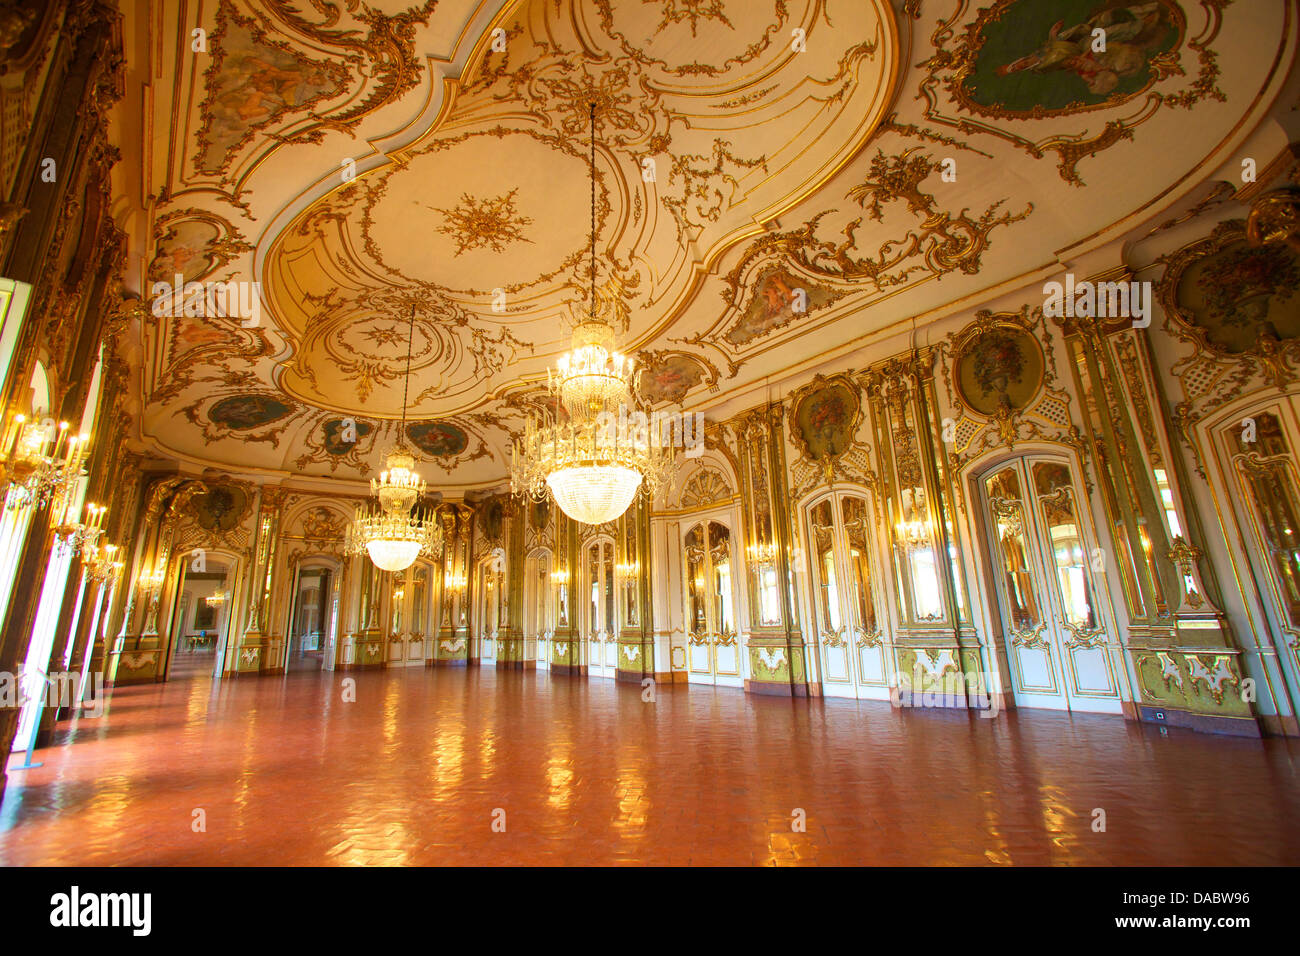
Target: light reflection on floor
[(420, 766)]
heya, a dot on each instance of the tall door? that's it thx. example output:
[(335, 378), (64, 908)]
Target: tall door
[(713, 647), (539, 624), (850, 635), (1267, 501), (600, 627), (489, 605), (1046, 567)]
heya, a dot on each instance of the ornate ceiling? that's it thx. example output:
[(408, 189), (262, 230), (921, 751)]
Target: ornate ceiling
[(869, 162)]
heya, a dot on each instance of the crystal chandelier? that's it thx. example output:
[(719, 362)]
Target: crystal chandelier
[(44, 463), (590, 462), (391, 530), (101, 562)]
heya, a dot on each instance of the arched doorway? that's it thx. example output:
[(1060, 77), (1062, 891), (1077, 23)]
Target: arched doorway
[(539, 607), (713, 653), (1259, 447), (313, 617), (489, 599), (599, 607), (851, 624), (205, 604), (1045, 569)]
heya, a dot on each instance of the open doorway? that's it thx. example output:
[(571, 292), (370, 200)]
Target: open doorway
[(312, 620), (202, 618)]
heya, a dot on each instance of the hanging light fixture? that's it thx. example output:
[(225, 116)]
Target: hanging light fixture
[(590, 462), (391, 529)]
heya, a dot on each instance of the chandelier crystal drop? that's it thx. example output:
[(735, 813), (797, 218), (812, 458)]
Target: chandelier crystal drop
[(590, 462), (391, 529)]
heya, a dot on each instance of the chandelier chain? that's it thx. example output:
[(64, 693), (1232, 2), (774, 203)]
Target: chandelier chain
[(406, 382), (592, 105)]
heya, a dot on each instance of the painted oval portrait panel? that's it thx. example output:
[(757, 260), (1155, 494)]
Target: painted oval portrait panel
[(439, 439), (1001, 369), (826, 420), (1240, 292), (243, 412)]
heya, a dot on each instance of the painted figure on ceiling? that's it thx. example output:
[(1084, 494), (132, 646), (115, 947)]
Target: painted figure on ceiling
[(1129, 31)]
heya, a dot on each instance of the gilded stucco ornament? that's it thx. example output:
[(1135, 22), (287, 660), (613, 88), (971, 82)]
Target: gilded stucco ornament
[(1234, 301), (1000, 373), (824, 417), (786, 277)]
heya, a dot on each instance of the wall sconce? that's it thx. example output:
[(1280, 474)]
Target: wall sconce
[(216, 599), (44, 462), (100, 562), (151, 581), (762, 554), (559, 577), (628, 570), (913, 533), (81, 536), (454, 582)]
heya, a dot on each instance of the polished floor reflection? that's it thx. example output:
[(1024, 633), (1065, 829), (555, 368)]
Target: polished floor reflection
[(424, 762)]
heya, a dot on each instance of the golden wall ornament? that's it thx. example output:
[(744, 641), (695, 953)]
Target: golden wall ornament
[(826, 268), (705, 487), (824, 418), (1275, 217), (1000, 373), (1236, 304)]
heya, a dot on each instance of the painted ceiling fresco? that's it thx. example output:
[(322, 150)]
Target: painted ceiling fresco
[(775, 180)]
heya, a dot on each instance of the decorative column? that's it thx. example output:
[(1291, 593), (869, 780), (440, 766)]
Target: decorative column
[(936, 651), (636, 644), (566, 647), (452, 647), (777, 657), (510, 591), (251, 652), (137, 651), (1179, 645)]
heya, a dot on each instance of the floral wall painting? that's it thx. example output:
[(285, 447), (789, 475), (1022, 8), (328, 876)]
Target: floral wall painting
[(221, 508), (251, 83), (340, 438), (999, 371), (775, 304), (1241, 292), (825, 420), (244, 412), (439, 439), (1038, 57)]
